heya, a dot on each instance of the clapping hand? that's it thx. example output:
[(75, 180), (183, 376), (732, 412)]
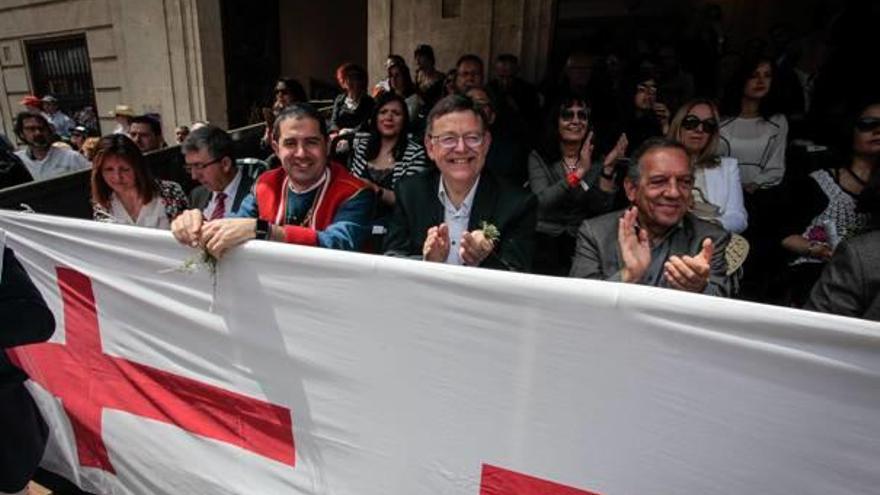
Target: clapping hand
[(690, 273), (475, 247), (616, 153), (635, 249), (586, 155), (436, 247)]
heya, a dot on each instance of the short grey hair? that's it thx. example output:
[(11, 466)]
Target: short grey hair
[(209, 137), (452, 104), (634, 170)]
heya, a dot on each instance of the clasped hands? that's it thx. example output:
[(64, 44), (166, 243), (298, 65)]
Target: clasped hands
[(216, 236), (473, 249), (689, 273)]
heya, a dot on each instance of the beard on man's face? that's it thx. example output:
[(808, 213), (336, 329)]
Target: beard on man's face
[(39, 142)]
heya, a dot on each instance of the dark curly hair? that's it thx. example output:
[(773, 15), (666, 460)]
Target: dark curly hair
[(549, 148), (731, 103)]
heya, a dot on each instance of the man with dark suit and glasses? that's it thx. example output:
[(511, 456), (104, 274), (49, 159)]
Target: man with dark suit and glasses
[(460, 214), (224, 181)]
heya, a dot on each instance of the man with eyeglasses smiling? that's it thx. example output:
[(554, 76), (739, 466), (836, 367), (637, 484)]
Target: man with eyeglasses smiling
[(655, 241), (460, 214), (307, 201)]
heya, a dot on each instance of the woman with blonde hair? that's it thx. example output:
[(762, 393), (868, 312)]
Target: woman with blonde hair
[(717, 193)]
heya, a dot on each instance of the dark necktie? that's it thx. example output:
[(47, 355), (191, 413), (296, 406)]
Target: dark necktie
[(219, 206)]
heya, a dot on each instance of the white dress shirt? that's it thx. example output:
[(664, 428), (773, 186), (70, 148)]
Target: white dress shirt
[(230, 190), (456, 219), (152, 214)]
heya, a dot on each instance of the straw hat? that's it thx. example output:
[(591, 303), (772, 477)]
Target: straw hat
[(736, 253), (122, 110)]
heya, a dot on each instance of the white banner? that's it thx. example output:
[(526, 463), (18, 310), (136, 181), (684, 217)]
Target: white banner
[(306, 370)]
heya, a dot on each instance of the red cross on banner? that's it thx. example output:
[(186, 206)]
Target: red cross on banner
[(498, 481), (89, 381)]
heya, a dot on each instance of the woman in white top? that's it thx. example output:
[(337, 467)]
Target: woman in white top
[(124, 191), (753, 132), (756, 135), (717, 192)]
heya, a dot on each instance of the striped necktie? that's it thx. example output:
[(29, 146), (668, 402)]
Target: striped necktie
[(219, 206)]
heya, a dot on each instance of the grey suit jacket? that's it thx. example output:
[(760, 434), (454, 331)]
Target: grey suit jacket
[(850, 284), (251, 168), (597, 254)]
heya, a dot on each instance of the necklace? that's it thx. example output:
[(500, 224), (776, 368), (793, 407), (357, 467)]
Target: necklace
[(570, 167)]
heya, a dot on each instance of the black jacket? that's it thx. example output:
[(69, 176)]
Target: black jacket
[(512, 210), (26, 320)]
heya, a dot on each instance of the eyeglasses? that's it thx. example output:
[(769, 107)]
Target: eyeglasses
[(569, 115), (647, 88), (450, 141), (868, 124), (691, 122), (189, 167)]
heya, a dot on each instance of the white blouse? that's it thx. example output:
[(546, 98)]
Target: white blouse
[(758, 144), (152, 214), (720, 186)]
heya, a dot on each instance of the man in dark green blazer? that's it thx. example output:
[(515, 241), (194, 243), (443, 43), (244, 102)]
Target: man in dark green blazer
[(460, 214)]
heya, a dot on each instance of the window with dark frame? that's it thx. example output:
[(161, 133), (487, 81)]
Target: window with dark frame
[(451, 9), (60, 67)]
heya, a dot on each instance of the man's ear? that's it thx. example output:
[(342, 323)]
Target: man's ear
[(228, 163), (273, 142), (630, 188), (487, 139), (429, 146)]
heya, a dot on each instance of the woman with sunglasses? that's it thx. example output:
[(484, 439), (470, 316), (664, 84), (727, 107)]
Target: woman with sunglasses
[(643, 116), (287, 92), (385, 153), (850, 284), (826, 211), (570, 186), (124, 191), (717, 192)]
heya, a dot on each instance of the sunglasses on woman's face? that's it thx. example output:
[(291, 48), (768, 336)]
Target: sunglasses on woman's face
[(868, 124), (691, 122), (569, 115)]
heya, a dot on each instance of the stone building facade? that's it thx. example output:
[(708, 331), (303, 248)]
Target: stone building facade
[(150, 55)]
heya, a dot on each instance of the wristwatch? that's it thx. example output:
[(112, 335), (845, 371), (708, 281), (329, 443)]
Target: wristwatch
[(262, 230), (609, 176)]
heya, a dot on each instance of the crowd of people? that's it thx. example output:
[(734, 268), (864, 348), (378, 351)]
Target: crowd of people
[(627, 167), (623, 168)]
